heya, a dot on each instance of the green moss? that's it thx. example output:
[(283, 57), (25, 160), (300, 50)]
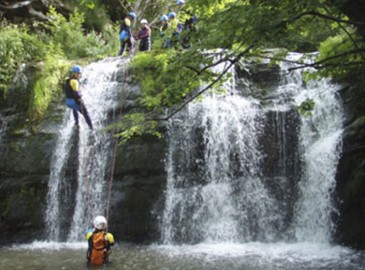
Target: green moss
[(357, 184), (358, 123), (47, 86), (306, 107), (17, 46)]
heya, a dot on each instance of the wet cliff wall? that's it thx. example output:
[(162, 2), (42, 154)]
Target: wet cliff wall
[(140, 178)]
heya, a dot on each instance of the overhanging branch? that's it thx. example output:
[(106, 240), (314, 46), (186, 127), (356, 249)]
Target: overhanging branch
[(16, 5), (324, 16), (209, 86)]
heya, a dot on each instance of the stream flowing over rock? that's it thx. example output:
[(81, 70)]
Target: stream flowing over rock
[(237, 168)]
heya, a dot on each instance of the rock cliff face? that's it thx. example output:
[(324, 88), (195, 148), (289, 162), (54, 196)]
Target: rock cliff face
[(24, 168), (351, 171), (140, 178)]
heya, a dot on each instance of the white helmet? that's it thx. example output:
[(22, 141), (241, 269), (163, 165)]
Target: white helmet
[(100, 223), (144, 21)]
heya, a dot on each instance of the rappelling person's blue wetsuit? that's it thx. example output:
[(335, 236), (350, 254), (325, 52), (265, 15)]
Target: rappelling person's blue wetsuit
[(73, 96)]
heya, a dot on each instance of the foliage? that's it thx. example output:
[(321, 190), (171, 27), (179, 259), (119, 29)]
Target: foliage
[(163, 80), (134, 125), (340, 56), (69, 35), (47, 85), (228, 30), (95, 14), (49, 43), (246, 28), (17, 46), (306, 107)]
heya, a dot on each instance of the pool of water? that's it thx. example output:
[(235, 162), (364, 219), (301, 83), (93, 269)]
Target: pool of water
[(250, 256)]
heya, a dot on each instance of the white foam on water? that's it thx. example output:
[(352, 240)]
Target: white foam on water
[(50, 245)]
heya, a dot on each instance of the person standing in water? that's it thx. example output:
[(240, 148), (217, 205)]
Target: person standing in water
[(99, 242)]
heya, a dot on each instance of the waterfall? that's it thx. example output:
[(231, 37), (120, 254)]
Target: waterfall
[(239, 171), (321, 145), (80, 167)]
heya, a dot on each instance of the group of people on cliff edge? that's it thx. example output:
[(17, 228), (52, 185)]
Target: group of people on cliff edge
[(170, 30), (174, 24), (127, 39)]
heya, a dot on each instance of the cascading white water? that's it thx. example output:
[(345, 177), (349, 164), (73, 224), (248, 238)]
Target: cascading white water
[(93, 153), (210, 206), (57, 178), (219, 189), (321, 142)]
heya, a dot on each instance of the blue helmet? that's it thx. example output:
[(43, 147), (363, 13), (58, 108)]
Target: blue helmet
[(180, 2), (76, 69), (133, 15), (172, 15), (164, 18)]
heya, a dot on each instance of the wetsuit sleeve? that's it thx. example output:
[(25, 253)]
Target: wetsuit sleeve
[(110, 238), (128, 24), (88, 235), (75, 87)]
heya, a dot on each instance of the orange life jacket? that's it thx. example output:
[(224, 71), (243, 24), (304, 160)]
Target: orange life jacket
[(99, 253)]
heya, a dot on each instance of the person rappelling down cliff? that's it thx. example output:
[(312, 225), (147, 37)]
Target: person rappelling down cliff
[(73, 96)]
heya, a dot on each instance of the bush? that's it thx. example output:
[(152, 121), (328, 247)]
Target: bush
[(52, 42), (17, 46), (48, 85), (75, 43)]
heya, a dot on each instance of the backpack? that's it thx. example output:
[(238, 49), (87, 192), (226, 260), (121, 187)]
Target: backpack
[(98, 248)]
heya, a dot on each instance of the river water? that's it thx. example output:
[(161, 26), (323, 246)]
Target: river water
[(249, 256)]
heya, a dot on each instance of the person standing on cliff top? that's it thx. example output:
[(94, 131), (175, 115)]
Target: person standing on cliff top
[(125, 34), (144, 35)]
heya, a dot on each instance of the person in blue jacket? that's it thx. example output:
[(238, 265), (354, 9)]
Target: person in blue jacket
[(125, 33), (74, 96)]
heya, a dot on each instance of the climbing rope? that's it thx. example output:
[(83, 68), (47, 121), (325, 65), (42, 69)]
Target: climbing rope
[(87, 177), (86, 174), (111, 179), (122, 103), (87, 180)]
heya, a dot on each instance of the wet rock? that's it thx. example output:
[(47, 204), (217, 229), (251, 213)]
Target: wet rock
[(351, 173)]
